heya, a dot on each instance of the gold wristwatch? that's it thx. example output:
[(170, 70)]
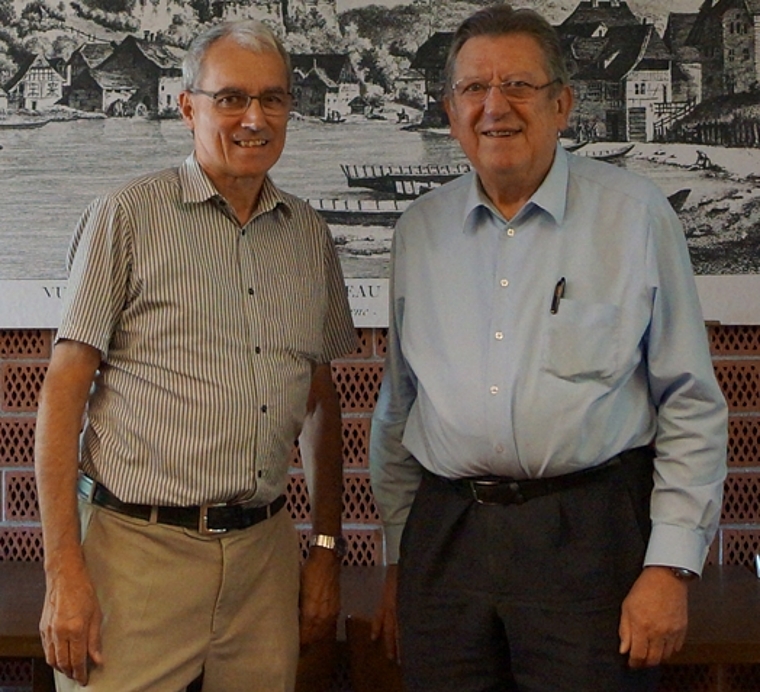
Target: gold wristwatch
[(335, 543)]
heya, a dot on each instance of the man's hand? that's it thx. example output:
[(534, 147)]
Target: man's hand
[(385, 624), (654, 618), (320, 595), (70, 625)]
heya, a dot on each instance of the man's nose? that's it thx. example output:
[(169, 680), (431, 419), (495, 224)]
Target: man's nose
[(254, 113), (496, 100)]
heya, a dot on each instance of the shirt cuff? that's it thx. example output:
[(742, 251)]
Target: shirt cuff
[(676, 546)]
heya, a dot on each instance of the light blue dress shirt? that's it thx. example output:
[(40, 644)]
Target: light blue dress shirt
[(481, 378)]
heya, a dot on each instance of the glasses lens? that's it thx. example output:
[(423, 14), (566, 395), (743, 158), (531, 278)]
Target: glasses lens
[(232, 102), (471, 91), (275, 102), (517, 91)]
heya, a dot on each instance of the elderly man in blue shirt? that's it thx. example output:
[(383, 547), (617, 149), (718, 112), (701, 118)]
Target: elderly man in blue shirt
[(548, 449)]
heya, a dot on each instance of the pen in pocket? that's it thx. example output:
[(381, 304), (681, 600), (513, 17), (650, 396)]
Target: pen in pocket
[(559, 292)]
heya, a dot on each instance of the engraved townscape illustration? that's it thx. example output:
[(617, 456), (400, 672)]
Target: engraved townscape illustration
[(88, 99)]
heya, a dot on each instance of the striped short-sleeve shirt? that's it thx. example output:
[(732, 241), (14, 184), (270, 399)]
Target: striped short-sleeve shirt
[(208, 332)]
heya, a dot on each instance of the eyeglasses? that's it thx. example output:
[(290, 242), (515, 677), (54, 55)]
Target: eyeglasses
[(275, 102), (475, 92)]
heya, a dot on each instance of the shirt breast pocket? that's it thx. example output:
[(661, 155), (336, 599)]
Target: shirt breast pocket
[(583, 341), (294, 307)]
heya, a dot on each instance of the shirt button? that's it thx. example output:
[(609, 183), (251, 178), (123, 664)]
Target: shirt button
[(257, 349), (499, 335), (494, 390), (499, 449), (510, 232), (504, 282), (264, 408), (250, 291)]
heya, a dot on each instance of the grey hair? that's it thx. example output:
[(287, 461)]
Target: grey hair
[(249, 33), (500, 20)]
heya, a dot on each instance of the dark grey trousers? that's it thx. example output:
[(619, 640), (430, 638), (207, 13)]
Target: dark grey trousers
[(496, 598)]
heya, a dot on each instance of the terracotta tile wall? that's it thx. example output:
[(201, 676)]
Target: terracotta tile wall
[(736, 354), (23, 361)]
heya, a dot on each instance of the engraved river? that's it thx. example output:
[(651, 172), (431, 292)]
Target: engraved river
[(49, 174)]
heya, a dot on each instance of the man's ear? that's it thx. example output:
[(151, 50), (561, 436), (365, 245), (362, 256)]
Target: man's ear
[(564, 101), (186, 109), (451, 112)]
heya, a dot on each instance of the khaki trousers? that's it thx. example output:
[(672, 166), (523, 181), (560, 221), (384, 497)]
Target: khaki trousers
[(175, 603)]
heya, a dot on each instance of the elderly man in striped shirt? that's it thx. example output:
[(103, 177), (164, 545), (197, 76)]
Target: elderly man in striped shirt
[(203, 309)]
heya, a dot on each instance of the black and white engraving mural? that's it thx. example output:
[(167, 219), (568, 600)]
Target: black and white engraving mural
[(88, 99)]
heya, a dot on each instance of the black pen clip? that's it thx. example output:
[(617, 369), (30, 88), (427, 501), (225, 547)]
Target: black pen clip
[(559, 292)]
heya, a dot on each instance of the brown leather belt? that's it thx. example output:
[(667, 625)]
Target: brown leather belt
[(494, 490), (207, 519)]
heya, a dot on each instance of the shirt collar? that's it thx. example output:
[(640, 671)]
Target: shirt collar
[(197, 187), (476, 204), (551, 195)]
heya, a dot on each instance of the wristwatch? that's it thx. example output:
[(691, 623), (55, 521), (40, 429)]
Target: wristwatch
[(683, 574), (335, 543)]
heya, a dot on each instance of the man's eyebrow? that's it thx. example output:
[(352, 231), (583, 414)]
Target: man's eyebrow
[(238, 90)]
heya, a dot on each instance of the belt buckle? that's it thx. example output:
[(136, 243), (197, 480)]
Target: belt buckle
[(513, 487), (474, 485), (203, 527)]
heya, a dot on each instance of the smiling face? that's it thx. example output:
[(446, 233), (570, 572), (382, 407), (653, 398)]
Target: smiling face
[(236, 151), (511, 145)]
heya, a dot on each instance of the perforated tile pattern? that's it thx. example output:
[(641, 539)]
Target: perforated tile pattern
[(365, 546), (740, 547), (297, 499), (355, 442), (16, 441), (364, 349), (303, 541), (740, 382), (21, 544), (295, 457), (21, 385), (735, 340), (21, 497), (25, 343), (744, 441), (381, 342), (355, 431), (741, 678), (358, 501), (15, 671), (741, 498), (688, 679), (358, 384)]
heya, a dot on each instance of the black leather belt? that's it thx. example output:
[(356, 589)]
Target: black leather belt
[(508, 491), (206, 519)]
